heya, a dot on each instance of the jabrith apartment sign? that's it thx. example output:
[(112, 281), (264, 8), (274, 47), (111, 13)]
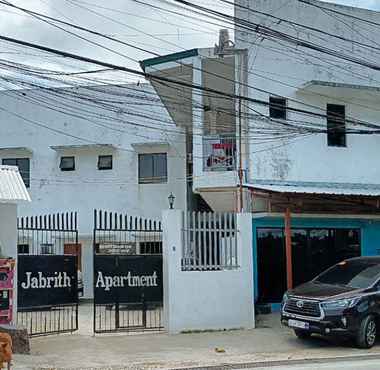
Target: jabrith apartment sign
[(46, 280), (128, 279)]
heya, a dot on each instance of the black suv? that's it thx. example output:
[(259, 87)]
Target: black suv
[(343, 300)]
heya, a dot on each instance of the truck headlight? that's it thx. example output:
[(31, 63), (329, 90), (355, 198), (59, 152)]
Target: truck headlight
[(339, 304), (285, 297)]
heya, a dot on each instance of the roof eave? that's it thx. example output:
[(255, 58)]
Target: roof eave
[(168, 58)]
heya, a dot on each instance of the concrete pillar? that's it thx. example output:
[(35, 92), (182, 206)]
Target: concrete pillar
[(198, 116), (8, 241), (245, 256), (87, 268), (172, 225)]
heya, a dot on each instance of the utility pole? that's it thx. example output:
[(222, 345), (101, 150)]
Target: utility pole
[(240, 162)]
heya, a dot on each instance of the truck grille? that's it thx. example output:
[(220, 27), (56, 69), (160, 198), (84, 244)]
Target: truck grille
[(302, 307)]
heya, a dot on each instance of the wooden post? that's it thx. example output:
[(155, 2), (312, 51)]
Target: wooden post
[(288, 248)]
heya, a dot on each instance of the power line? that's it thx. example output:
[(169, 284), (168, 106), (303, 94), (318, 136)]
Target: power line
[(130, 45), (164, 79), (271, 33), (303, 25), (308, 2)]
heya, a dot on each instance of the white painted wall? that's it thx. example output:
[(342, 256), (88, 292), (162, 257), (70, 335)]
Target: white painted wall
[(22, 112), (8, 240), (282, 69), (87, 188), (209, 299)]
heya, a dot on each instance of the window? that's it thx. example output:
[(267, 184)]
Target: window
[(105, 162), (152, 168), (277, 107), (354, 273), (23, 165), (153, 247), (67, 164), (336, 125), (23, 248), (47, 248)]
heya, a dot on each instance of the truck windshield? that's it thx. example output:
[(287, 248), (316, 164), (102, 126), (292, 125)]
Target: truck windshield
[(355, 274)]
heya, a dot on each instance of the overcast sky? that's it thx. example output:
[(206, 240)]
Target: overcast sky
[(147, 27)]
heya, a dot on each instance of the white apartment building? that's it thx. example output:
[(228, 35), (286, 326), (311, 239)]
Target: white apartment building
[(306, 74), (111, 147)]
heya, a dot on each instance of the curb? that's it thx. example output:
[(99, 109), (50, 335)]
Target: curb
[(233, 366), (277, 363)]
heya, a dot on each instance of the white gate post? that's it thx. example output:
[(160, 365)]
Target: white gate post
[(8, 242), (172, 225)]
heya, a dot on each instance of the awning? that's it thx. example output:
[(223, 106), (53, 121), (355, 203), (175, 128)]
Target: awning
[(60, 148), (16, 150), (342, 90), (12, 187), (339, 189), (153, 145)]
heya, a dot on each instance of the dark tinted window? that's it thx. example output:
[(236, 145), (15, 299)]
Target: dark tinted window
[(23, 248), (67, 164), (336, 125), (23, 165), (152, 168), (356, 274), (277, 108), (105, 162)]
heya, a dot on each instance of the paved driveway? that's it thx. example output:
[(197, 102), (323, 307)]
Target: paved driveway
[(270, 341)]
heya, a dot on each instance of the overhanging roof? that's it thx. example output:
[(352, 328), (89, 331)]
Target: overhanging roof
[(16, 149), (12, 187), (168, 58), (59, 148), (318, 83), (141, 147), (294, 187)]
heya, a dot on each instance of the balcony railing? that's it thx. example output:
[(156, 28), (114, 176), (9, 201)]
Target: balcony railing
[(219, 154)]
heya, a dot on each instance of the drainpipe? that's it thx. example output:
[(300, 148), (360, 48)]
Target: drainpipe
[(288, 248)]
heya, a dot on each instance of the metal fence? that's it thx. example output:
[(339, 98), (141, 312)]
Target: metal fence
[(209, 242), (122, 244), (45, 238), (116, 234), (48, 234)]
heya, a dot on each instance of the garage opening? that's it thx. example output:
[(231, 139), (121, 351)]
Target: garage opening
[(313, 250)]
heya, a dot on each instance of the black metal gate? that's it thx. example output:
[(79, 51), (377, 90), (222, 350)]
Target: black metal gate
[(127, 273), (47, 291)]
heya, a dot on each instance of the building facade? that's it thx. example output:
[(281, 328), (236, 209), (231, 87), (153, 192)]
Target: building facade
[(292, 137), (113, 148)]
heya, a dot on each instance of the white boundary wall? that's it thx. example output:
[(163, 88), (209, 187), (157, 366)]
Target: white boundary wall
[(206, 300)]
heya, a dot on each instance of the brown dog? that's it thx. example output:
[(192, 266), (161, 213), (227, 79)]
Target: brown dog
[(5, 349)]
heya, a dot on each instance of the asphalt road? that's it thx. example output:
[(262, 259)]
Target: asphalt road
[(346, 365)]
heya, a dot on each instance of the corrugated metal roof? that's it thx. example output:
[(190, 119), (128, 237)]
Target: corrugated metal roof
[(12, 187), (369, 190)]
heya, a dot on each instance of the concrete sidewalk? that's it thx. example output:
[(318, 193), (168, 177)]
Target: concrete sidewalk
[(269, 342)]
